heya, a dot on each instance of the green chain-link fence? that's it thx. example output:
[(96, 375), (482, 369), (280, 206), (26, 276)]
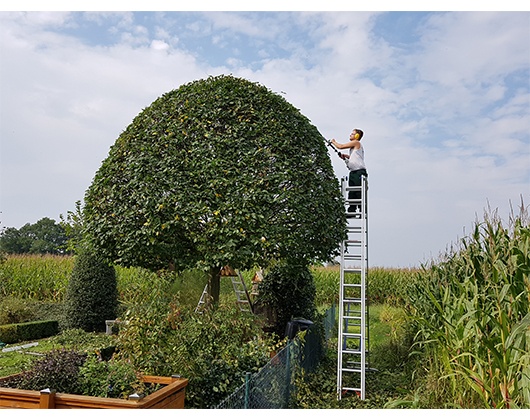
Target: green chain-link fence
[(273, 385)]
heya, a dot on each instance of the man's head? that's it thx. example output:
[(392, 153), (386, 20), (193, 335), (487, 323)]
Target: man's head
[(356, 134)]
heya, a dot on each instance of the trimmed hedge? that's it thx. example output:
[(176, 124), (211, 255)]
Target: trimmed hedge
[(15, 333), (91, 294)]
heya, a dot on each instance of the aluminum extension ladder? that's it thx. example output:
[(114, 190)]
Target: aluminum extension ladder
[(240, 289), (353, 344)]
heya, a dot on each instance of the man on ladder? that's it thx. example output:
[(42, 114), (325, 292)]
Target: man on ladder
[(355, 163), (353, 336)]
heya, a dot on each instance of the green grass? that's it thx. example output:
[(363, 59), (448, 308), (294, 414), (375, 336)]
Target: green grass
[(387, 381), (13, 362)]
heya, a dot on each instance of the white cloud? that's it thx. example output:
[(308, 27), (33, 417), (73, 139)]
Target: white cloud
[(446, 123)]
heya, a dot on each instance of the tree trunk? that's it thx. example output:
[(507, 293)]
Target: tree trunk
[(214, 285)]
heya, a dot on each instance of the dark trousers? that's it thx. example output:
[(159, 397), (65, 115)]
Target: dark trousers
[(354, 180)]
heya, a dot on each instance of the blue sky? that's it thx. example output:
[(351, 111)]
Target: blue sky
[(443, 99)]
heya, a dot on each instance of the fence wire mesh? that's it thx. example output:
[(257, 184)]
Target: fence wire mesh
[(273, 385)]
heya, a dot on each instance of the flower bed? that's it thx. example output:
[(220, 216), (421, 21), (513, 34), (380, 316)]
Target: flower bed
[(170, 396)]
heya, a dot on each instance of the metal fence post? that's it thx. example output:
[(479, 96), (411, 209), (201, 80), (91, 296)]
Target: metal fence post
[(288, 373), (247, 389)]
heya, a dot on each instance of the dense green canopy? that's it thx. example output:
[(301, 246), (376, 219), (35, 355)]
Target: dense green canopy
[(219, 171)]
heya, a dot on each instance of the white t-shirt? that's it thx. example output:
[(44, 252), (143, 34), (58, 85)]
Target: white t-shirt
[(356, 160)]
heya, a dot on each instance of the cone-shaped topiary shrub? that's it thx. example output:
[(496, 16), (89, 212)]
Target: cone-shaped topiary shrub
[(91, 295)]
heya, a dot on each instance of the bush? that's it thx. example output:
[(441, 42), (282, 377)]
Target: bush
[(58, 369), (213, 349), (108, 379), (289, 289), (14, 310), (91, 295), (15, 333)]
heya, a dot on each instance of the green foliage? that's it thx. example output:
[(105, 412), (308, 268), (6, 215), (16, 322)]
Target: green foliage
[(14, 310), (213, 350), (38, 277), (391, 285), (318, 389), (289, 289), (385, 285), (76, 372), (72, 224), (15, 333), (326, 281), (472, 316), (91, 296), (79, 339), (58, 369), (217, 172), (43, 237), (108, 379)]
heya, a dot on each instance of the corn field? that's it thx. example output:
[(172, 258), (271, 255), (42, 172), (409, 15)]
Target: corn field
[(471, 314), (39, 277)]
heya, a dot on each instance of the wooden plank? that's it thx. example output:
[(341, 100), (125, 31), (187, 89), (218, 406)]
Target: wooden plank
[(165, 380), (158, 396), (16, 398), (63, 401), (172, 401)]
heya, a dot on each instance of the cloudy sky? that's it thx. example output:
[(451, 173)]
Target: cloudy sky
[(443, 99)]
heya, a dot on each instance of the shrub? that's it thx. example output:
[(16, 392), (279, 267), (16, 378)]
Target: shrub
[(58, 369), (14, 310), (14, 333), (289, 289), (109, 379), (91, 295), (213, 349)]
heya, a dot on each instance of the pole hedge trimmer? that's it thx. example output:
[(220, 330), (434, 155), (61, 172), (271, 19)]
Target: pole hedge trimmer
[(334, 148)]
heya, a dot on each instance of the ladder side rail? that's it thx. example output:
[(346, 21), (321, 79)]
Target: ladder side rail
[(364, 192), (245, 289), (340, 337)]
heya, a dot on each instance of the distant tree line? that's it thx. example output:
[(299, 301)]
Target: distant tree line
[(46, 236)]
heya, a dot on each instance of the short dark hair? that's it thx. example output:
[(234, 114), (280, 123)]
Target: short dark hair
[(360, 132)]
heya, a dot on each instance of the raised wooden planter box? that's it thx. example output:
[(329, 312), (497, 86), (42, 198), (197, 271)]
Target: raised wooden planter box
[(170, 396)]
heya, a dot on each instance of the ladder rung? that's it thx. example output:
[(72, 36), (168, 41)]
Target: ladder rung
[(352, 270), (352, 370), (344, 388), (357, 352), (351, 335)]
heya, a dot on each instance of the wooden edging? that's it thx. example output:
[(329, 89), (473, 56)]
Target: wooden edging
[(170, 396)]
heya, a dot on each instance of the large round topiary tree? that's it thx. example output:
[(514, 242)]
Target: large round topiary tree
[(91, 294), (220, 171)]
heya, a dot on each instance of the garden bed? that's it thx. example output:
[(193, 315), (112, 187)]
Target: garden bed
[(170, 396)]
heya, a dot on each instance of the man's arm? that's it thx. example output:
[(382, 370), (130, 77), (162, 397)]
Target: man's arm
[(351, 144)]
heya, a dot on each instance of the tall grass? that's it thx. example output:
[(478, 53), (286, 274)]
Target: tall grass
[(471, 310), (45, 277), (39, 277), (385, 285)]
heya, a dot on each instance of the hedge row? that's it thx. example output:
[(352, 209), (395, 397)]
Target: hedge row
[(15, 333)]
